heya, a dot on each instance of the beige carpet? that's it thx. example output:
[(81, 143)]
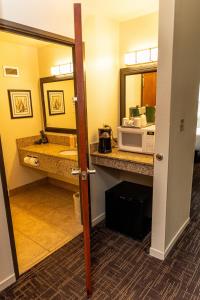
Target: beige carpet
[(43, 220)]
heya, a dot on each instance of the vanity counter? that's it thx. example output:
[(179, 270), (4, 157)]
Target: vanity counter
[(48, 156), (126, 161), (50, 149)]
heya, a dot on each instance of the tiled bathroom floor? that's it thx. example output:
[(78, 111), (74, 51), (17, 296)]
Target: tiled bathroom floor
[(43, 220)]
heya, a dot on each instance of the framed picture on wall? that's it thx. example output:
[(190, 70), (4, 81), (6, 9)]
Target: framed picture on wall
[(20, 104), (56, 102)]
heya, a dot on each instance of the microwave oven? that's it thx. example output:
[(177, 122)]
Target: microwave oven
[(140, 140)]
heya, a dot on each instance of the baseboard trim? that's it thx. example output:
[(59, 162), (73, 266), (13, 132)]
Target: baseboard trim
[(157, 254), (7, 282), (63, 184), (162, 255), (98, 219), (59, 183), (24, 187), (176, 237)]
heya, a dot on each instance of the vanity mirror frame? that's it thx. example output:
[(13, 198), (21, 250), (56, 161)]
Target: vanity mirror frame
[(48, 80), (132, 70)]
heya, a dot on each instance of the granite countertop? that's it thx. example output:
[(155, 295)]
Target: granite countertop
[(50, 149), (116, 154)]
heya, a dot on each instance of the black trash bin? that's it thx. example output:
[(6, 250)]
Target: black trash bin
[(128, 209)]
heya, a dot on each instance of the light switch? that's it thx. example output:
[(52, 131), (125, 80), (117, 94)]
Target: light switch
[(182, 125)]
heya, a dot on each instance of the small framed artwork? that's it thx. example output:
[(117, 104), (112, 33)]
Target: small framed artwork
[(56, 102), (20, 104)]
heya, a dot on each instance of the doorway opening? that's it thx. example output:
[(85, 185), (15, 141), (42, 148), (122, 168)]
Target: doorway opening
[(37, 86), (197, 144)]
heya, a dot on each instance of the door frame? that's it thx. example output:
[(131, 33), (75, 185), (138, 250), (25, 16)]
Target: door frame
[(8, 212), (31, 32)]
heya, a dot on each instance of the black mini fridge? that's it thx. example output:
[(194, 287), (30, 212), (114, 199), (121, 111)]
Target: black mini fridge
[(128, 209)]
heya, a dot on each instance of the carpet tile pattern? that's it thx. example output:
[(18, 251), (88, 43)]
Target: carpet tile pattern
[(122, 268)]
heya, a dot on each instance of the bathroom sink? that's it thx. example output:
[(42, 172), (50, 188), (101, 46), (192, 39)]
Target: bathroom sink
[(68, 152)]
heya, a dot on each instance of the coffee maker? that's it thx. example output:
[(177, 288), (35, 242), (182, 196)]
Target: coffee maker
[(105, 139)]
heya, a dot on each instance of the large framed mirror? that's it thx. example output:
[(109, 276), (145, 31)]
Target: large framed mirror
[(59, 112), (137, 87)]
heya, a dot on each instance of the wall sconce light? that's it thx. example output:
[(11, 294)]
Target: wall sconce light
[(154, 54), (62, 69), (141, 56), (130, 58)]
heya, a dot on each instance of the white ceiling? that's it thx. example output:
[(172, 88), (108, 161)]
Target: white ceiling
[(119, 10)]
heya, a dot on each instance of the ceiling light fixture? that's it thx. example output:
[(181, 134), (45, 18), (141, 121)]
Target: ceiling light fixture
[(141, 56), (62, 69)]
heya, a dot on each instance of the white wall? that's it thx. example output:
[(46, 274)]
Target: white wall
[(6, 270), (166, 27), (177, 96), (198, 113), (185, 85)]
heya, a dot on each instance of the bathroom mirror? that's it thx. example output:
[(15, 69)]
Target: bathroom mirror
[(137, 87), (58, 107)]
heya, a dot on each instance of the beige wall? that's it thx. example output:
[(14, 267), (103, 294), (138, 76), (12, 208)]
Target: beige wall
[(32, 13), (25, 57), (102, 73), (139, 33), (133, 91), (102, 87), (68, 119), (33, 62), (52, 55), (102, 70), (103, 38), (49, 56)]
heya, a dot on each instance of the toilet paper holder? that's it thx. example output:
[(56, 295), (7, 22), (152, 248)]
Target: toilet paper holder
[(31, 160)]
